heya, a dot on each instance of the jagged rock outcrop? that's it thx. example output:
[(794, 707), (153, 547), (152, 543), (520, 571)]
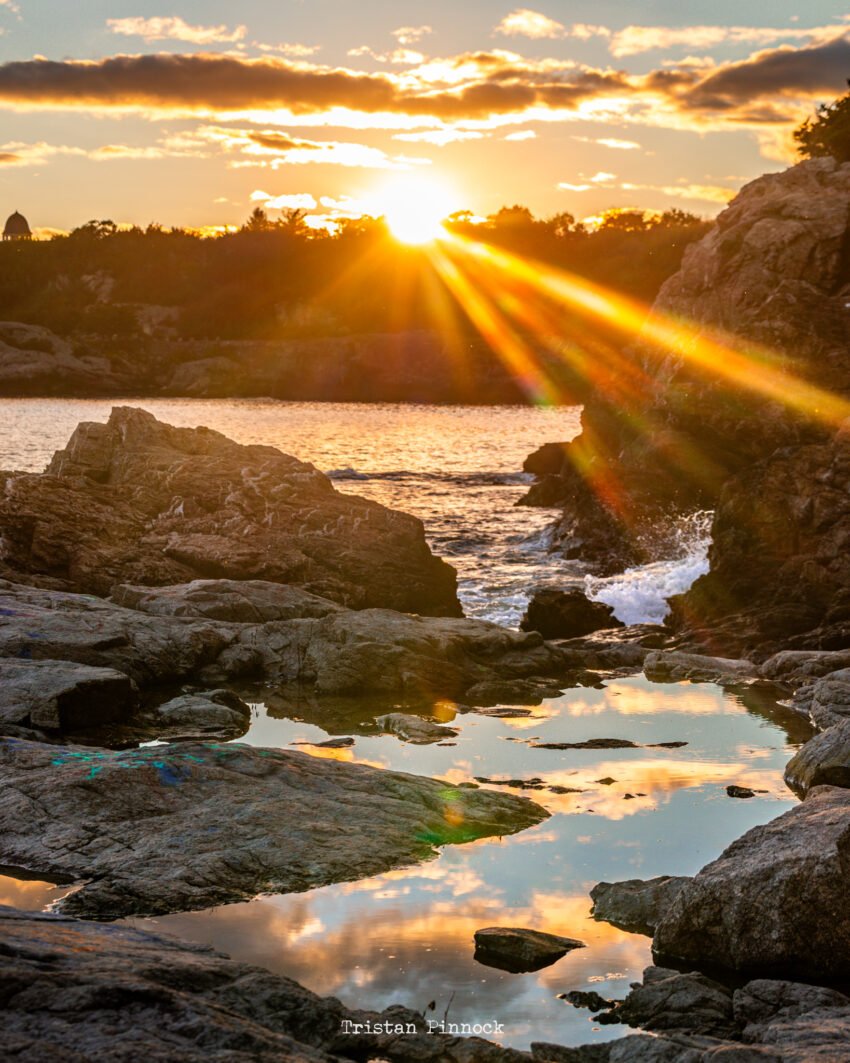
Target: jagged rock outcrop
[(35, 361), (61, 695), (141, 502), (191, 825), (780, 555), (770, 283)]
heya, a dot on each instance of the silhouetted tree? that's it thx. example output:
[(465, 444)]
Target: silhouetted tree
[(827, 132)]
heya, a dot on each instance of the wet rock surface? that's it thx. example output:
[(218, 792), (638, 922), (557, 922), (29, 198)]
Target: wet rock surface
[(516, 949), (773, 900), (636, 905), (179, 827), (140, 502), (558, 614)]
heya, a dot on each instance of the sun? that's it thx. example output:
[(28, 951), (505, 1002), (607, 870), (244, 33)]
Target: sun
[(415, 207)]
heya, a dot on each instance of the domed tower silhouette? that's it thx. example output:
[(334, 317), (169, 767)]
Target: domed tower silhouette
[(17, 228)]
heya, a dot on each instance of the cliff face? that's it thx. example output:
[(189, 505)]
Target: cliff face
[(728, 421), (764, 297)]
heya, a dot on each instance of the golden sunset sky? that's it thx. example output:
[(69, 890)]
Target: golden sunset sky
[(194, 113)]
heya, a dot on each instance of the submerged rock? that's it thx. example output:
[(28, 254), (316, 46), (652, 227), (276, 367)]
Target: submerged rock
[(414, 729), (636, 905), (774, 900), (516, 949), (187, 826), (138, 501), (558, 614), (61, 695)]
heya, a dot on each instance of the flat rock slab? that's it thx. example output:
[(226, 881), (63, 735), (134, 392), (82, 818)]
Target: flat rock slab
[(775, 901), (516, 949), (172, 828), (80, 992), (636, 905)]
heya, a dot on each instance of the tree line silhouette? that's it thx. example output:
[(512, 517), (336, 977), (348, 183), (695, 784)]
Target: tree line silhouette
[(275, 279)]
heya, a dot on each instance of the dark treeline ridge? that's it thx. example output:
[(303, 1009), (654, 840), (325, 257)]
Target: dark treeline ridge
[(280, 279)]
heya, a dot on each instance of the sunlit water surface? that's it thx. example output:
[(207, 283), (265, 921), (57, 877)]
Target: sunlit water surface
[(407, 936)]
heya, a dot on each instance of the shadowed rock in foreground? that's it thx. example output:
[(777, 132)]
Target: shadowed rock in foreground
[(75, 992), (78, 992), (188, 826), (139, 501)]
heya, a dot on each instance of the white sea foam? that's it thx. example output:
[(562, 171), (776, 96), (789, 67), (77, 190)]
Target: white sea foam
[(639, 595)]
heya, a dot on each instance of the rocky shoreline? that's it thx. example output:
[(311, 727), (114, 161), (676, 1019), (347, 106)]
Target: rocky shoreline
[(152, 573)]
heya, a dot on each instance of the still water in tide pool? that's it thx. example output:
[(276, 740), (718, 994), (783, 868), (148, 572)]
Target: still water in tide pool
[(406, 937)]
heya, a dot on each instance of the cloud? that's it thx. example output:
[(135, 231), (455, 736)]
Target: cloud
[(567, 187), (603, 177), (439, 137), (293, 201), (636, 39), (525, 23), (411, 34), (19, 153), (700, 193), (293, 51), (273, 149), (216, 84), (610, 142), (769, 92), (399, 56), (522, 134), (174, 28)]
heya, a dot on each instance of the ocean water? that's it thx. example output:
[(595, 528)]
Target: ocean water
[(458, 468), (407, 936)]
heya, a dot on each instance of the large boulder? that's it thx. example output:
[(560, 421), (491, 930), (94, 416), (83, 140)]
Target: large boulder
[(823, 761), (569, 614), (192, 825), (637, 905), (141, 502), (774, 901)]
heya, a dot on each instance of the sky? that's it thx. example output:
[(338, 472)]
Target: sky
[(193, 113)]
